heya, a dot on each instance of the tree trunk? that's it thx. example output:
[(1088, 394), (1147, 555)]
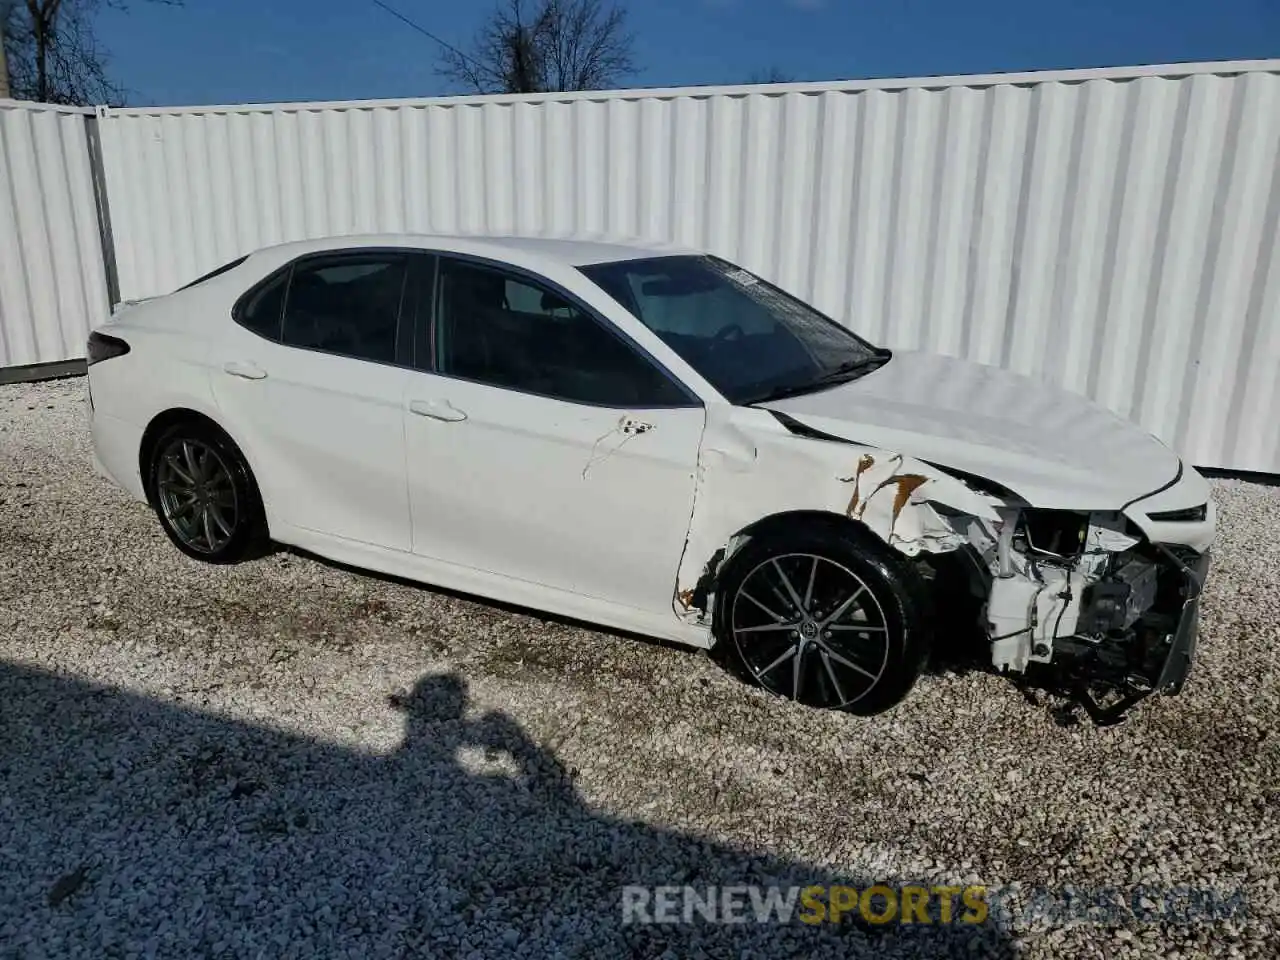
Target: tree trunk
[(43, 18), (42, 62), (523, 57), (4, 67)]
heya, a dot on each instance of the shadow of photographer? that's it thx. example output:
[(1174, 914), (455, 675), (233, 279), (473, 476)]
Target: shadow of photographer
[(133, 825)]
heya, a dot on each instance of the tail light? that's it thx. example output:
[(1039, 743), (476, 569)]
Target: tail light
[(104, 347)]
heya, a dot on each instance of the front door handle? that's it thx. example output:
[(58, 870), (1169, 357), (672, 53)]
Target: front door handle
[(437, 410), (244, 369)]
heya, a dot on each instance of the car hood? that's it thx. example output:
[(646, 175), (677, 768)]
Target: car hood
[(1051, 447)]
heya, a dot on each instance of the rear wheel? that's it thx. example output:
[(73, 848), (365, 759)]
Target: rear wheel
[(824, 616), (205, 495)]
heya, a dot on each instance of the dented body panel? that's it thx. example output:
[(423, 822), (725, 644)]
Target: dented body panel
[(1102, 605), (1051, 447), (752, 467), (1116, 600)]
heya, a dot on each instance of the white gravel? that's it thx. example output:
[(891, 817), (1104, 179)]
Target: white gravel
[(234, 762)]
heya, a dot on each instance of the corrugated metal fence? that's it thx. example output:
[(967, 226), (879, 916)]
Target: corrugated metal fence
[(52, 276), (1112, 231)]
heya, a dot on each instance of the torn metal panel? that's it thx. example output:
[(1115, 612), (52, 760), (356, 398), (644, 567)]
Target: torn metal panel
[(752, 468), (1076, 591), (627, 427)]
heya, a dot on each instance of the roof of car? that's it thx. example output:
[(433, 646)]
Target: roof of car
[(576, 250)]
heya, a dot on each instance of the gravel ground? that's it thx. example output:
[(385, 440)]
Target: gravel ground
[(286, 758)]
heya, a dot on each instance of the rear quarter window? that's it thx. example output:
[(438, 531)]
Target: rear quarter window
[(262, 310)]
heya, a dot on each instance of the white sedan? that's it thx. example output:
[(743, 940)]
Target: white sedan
[(662, 442)]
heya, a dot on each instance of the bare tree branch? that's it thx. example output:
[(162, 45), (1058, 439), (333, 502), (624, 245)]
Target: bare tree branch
[(535, 46), (53, 55)]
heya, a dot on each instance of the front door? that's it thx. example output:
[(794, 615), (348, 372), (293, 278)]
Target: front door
[(544, 447)]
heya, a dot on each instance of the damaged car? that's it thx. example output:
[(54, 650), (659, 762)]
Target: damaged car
[(659, 441)]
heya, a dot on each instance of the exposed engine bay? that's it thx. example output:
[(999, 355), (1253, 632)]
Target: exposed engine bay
[(1087, 598)]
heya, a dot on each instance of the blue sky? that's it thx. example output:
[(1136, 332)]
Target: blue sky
[(231, 51)]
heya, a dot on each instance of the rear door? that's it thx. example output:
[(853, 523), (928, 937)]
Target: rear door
[(544, 446), (319, 386)]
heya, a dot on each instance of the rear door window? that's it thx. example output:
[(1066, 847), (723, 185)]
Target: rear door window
[(347, 304)]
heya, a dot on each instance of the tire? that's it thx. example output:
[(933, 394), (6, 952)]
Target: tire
[(205, 495), (862, 659)]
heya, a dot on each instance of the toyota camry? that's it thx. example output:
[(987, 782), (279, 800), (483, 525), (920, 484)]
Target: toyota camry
[(659, 441)]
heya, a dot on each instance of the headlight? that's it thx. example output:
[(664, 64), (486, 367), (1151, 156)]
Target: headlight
[(1186, 515)]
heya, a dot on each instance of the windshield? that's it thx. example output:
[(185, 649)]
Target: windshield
[(747, 338)]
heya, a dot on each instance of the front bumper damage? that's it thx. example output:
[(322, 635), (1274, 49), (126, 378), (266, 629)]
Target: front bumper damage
[(1166, 670), (1182, 644), (1103, 598), (1107, 629)]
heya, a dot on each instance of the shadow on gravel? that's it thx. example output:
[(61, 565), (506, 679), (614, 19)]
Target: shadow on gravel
[(133, 827)]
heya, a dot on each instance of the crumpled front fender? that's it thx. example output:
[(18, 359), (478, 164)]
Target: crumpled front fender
[(752, 467)]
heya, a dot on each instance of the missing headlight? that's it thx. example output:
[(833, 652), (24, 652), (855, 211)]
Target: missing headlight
[(1060, 533)]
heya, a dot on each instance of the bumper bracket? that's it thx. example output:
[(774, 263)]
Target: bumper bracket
[(1182, 648)]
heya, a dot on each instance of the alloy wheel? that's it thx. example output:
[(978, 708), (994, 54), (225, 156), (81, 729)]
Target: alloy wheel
[(197, 494), (810, 629)]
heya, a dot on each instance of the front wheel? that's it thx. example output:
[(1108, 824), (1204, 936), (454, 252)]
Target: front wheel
[(828, 617)]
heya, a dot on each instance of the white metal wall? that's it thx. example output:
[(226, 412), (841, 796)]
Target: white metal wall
[(52, 278), (1112, 231)]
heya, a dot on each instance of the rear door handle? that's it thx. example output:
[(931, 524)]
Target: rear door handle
[(437, 410), (244, 369)]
